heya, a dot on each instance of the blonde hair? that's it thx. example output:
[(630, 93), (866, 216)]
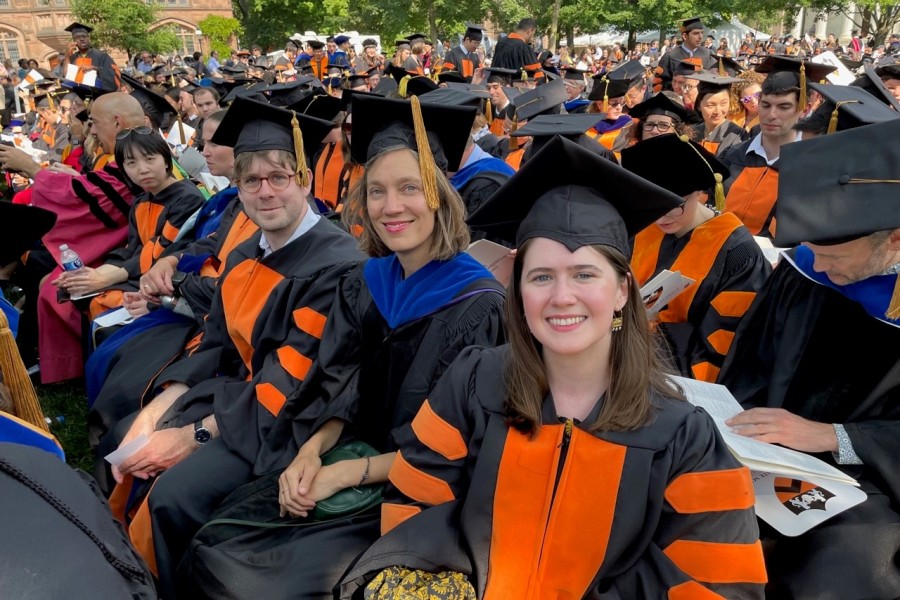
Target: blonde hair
[(450, 235)]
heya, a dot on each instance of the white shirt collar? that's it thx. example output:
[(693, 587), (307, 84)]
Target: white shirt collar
[(306, 223), (757, 147)]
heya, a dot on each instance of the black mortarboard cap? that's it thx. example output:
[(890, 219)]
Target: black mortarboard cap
[(315, 44), (631, 70), (451, 77), (544, 128), (888, 65), (82, 91), (154, 105), (252, 126), (687, 67), (855, 196), (725, 65), (71, 28), (289, 92), (542, 99), (846, 107), (605, 88), (451, 97), (474, 31), (319, 104), (691, 24), (573, 74), (386, 85), (255, 91), (597, 202), (416, 37), (348, 96), (382, 123), (663, 103), (472, 88), (786, 72), (872, 83), (712, 83), (369, 43), (500, 75), (21, 227), (357, 79), (415, 86), (679, 165), (399, 43)]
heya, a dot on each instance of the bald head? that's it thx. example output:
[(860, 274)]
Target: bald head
[(110, 114)]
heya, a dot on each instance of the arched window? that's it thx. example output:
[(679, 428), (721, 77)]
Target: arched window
[(187, 40), (9, 45)]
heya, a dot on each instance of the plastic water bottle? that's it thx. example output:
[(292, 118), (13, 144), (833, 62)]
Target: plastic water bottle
[(69, 258)]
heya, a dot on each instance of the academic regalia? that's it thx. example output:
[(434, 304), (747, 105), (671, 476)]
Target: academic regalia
[(609, 133), (826, 352), (752, 189), (497, 505), (720, 139), (108, 76), (458, 59), (333, 178), (153, 224), (512, 52), (92, 211)]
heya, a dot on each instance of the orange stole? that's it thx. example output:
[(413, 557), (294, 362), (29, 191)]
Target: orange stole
[(607, 139), (514, 158), (694, 262), (244, 294), (545, 545), (752, 198)]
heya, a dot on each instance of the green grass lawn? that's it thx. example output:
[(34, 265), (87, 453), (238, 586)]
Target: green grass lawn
[(69, 401)]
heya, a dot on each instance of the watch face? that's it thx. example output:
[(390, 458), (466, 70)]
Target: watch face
[(202, 435)]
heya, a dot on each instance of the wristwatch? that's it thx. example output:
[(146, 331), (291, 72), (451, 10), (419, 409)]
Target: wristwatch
[(178, 278), (201, 433)]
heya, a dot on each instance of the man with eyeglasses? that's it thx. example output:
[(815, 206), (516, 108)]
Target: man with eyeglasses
[(261, 338), (464, 58), (92, 217), (753, 185), (88, 59)]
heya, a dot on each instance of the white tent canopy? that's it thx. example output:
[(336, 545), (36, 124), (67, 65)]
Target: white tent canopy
[(733, 31)]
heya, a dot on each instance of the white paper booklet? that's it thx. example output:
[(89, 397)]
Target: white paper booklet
[(180, 135), (495, 258), (770, 251), (660, 290), (80, 76)]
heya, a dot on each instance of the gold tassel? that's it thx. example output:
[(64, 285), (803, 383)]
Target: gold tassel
[(804, 98), (489, 112), (722, 72), (893, 311), (172, 77), (50, 102), (329, 86), (401, 87), (604, 108), (513, 143), (24, 399), (426, 158), (302, 171), (833, 121), (720, 192), (524, 75)]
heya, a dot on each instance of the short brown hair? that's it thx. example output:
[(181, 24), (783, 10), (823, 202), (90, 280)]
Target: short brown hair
[(280, 158), (635, 366), (450, 235)]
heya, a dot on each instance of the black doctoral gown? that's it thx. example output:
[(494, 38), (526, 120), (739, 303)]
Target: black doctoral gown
[(808, 349)]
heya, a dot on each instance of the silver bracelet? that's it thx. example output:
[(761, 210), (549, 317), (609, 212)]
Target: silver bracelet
[(365, 475), (845, 455)]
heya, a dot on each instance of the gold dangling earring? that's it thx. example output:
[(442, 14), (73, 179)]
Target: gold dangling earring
[(617, 321)]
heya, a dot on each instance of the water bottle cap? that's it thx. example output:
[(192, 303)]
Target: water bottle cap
[(63, 247)]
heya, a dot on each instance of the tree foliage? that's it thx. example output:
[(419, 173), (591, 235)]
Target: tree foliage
[(218, 30), (125, 24)]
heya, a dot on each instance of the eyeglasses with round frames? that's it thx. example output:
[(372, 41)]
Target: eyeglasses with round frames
[(278, 181), (751, 98)]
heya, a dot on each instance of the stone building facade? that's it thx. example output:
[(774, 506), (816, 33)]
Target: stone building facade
[(35, 28)]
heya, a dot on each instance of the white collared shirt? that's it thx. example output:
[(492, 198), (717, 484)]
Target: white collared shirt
[(757, 147), (306, 223)]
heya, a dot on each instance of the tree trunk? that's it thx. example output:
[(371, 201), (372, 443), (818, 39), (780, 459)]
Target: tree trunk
[(570, 36), (243, 7), (632, 38), (554, 26), (432, 21)]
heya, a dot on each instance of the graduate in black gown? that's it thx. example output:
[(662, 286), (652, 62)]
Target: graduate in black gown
[(814, 360), (260, 339), (565, 464), (397, 323)]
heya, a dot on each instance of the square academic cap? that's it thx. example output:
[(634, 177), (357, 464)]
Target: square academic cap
[(450, 77), (664, 103), (500, 75), (631, 70), (386, 85), (474, 31), (319, 104), (543, 128), (289, 92), (679, 165), (727, 66), (691, 24), (154, 105), (451, 97), (252, 126), (348, 96), (857, 195), (605, 87), (544, 98), (814, 72), (888, 65), (872, 83), (383, 123), (687, 67), (573, 74), (846, 107), (472, 88), (597, 202), (21, 227), (75, 26)]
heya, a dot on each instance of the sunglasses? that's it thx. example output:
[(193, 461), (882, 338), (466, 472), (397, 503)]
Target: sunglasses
[(143, 130), (751, 98)]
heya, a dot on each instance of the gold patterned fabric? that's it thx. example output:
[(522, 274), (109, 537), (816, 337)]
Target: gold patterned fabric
[(400, 583)]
